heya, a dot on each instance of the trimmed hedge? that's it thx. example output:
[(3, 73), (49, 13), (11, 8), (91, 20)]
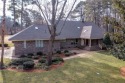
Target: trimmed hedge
[(28, 65), (20, 61), (35, 57), (39, 53), (66, 51), (42, 60), (56, 59), (58, 52), (68, 54)]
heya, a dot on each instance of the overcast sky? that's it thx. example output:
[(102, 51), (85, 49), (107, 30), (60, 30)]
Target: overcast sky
[(8, 13)]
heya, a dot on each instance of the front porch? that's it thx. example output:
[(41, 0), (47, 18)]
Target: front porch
[(91, 44)]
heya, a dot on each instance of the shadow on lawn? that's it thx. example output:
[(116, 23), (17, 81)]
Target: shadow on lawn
[(3, 77)]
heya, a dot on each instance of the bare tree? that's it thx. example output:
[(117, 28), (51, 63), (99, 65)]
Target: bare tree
[(3, 33), (56, 11), (22, 9)]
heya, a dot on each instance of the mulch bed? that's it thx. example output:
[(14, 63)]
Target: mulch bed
[(62, 55), (122, 71), (52, 67)]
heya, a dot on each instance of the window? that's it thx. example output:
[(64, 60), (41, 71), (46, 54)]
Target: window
[(24, 44), (39, 43), (74, 42)]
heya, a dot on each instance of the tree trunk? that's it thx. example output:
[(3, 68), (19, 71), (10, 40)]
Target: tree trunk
[(2, 52), (3, 33), (14, 12), (50, 53)]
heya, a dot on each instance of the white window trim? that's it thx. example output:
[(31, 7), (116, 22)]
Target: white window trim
[(24, 43), (39, 43)]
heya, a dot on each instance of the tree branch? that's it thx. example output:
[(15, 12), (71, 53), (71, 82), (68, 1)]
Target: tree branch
[(47, 21), (66, 19), (61, 13)]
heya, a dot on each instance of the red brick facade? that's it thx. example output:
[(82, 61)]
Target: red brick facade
[(60, 44), (31, 47)]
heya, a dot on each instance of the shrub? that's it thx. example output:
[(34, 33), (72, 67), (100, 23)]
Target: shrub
[(28, 65), (30, 54), (38, 65), (22, 56), (46, 67), (107, 41), (5, 45), (39, 53), (35, 57), (74, 53), (44, 57), (67, 54), (56, 59), (66, 51), (20, 67), (42, 60), (20, 61), (58, 52), (56, 63)]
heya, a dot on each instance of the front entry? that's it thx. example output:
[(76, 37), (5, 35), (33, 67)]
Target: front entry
[(85, 42)]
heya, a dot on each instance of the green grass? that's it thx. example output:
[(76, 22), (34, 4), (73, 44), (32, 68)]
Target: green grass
[(100, 68)]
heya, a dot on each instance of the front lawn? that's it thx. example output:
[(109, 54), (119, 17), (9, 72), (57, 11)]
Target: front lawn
[(100, 68)]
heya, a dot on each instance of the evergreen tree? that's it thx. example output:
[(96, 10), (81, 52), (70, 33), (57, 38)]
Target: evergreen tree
[(107, 41)]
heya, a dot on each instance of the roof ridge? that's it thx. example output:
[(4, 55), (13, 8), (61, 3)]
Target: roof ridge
[(91, 31)]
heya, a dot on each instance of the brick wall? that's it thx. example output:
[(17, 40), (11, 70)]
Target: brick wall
[(31, 47), (69, 43)]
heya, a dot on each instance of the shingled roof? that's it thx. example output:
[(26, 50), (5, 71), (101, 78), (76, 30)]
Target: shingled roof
[(72, 29)]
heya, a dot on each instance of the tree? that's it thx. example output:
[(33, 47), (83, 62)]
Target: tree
[(96, 11), (53, 12), (20, 13), (3, 33), (118, 34), (78, 12), (107, 41)]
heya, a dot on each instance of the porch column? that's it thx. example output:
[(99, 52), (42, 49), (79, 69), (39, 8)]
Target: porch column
[(90, 43), (82, 42)]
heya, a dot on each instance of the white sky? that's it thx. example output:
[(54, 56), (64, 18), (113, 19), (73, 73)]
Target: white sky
[(8, 13)]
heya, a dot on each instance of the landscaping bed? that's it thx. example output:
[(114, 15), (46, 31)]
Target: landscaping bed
[(65, 53), (34, 63)]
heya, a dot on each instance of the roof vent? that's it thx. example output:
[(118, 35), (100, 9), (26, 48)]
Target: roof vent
[(85, 31), (36, 28), (78, 27)]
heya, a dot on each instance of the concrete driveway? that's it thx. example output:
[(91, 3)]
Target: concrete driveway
[(8, 53)]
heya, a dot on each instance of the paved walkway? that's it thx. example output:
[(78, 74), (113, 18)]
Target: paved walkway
[(81, 53)]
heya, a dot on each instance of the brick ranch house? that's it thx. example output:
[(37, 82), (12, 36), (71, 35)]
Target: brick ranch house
[(74, 34)]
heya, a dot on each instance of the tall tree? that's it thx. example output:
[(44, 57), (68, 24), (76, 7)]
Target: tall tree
[(20, 13), (3, 33), (55, 9)]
